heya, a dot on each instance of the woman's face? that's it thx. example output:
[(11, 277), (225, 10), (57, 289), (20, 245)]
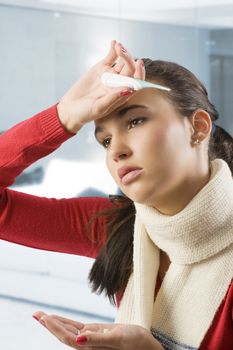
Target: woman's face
[(148, 148)]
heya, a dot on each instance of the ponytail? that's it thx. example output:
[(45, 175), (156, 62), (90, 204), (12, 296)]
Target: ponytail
[(112, 268), (221, 146)]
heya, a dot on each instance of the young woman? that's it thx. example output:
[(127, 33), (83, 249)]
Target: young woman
[(163, 252)]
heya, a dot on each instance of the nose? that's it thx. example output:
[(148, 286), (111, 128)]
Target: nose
[(119, 149)]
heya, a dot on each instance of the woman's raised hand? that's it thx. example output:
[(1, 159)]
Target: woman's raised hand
[(98, 336), (88, 99)]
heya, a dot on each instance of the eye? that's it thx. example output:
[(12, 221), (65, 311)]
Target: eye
[(134, 122), (106, 142)]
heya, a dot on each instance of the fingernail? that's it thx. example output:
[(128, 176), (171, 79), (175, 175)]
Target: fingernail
[(123, 49), (35, 317), (142, 64), (126, 92), (81, 340)]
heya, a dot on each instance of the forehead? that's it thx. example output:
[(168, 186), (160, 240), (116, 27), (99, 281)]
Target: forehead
[(146, 101), (145, 98)]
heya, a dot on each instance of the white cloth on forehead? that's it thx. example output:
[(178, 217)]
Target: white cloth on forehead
[(198, 241)]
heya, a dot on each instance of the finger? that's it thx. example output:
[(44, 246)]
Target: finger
[(118, 66), (60, 331), (128, 68), (67, 321), (140, 72), (111, 57), (71, 325), (96, 339), (38, 314), (71, 328), (110, 102), (120, 102)]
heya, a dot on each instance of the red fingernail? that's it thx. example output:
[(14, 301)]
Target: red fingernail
[(35, 317), (81, 340), (123, 49), (126, 92)]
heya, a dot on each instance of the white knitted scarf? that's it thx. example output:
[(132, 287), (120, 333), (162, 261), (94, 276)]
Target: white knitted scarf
[(198, 241)]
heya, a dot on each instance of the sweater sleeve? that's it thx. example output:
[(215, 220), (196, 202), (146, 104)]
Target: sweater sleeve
[(50, 224), (220, 333), (29, 141)]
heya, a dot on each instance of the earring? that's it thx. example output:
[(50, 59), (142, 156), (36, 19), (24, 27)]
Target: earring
[(196, 142)]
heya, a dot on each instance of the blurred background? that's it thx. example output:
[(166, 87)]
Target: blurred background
[(45, 46)]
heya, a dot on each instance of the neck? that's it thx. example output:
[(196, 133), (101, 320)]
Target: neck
[(178, 198), (194, 233)]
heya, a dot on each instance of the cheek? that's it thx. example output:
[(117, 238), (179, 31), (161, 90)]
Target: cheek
[(172, 138), (162, 146), (174, 150), (153, 142)]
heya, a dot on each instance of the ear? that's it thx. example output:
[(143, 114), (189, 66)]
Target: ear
[(201, 124)]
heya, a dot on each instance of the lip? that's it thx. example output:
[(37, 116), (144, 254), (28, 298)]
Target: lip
[(127, 174)]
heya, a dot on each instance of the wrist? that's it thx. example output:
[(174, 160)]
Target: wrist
[(66, 121), (152, 342)]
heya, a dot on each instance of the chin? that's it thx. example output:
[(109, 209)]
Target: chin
[(138, 196)]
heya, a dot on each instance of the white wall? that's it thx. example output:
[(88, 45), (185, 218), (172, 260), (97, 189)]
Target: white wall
[(42, 55)]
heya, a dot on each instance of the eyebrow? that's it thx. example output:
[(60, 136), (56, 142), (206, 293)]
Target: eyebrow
[(121, 113)]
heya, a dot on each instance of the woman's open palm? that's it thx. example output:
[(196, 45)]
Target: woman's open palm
[(98, 336)]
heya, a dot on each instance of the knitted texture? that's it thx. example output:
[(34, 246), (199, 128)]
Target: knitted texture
[(198, 241)]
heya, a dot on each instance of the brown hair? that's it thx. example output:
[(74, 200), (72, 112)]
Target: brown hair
[(113, 266)]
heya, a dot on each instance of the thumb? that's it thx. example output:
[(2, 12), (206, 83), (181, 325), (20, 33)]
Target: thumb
[(111, 57), (107, 339)]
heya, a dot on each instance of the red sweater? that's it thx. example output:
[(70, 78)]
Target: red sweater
[(61, 224)]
